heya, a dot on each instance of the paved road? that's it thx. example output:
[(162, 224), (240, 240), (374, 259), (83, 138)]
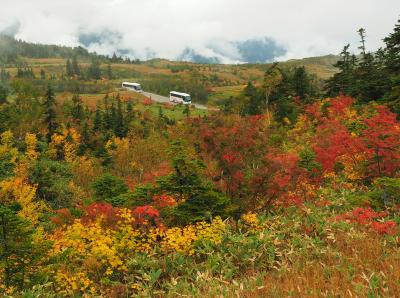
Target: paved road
[(160, 98)]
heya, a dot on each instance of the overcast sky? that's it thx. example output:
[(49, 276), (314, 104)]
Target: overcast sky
[(166, 27)]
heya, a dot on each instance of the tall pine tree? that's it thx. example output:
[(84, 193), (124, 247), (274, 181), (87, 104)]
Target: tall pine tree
[(50, 113)]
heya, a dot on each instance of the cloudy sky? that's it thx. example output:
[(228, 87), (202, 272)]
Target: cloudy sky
[(212, 28)]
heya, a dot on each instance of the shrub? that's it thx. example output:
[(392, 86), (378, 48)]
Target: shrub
[(107, 187)]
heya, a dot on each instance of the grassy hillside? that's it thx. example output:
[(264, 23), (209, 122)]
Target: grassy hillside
[(206, 82)]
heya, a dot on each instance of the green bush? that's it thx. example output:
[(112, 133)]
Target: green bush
[(108, 187)]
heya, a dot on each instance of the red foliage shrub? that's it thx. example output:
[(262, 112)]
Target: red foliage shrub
[(368, 217), (144, 213), (163, 170), (107, 212), (385, 228), (382, 138), (63, 216), (164, 200), (339, 105), (148, 101), (361, 215)]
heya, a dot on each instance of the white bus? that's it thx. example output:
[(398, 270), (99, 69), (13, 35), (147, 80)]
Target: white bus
[(179, 97), (132, 86)]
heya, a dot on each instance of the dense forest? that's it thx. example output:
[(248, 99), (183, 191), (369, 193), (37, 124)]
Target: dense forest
[(288, 188)]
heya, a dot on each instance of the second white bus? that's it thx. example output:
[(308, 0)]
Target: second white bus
[(179, 97), (132, 86)]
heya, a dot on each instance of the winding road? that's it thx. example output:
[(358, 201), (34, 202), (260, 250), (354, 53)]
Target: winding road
[(160, 98)]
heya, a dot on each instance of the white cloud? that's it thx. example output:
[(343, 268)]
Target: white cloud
[(306, 28)]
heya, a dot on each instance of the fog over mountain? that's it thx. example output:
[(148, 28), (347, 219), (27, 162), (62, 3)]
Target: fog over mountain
[(215, 31)]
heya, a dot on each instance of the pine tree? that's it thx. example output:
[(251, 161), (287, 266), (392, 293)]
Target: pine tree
[(75, 67), (98, 120), (94, 71), (50, 113), (77, 108), (370, 81), (114, 58), (256, 102), (42, 74), (3, 93), (392, 67), (361, 32), (68, 68), (18, 253), (186, 111), (109, 72), (301, 84), (199, 199), (343, 81), (119, 128), (112, 117)]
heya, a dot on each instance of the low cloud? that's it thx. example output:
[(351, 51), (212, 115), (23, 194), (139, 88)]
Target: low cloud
[(242, 30), (12, 29)]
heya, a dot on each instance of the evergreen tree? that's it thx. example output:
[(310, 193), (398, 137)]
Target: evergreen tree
[(69, 69), (75, 66), (361, 32), (4, 75), (50, 113), (119, 128), (85, 139), (98, 120), (109, 72), (392, 67), (114, 58), (255, 98), (111, 122), (77, 108), (199, 199), (42, 74), (3, 93), (94, 71), (370, 81), (186, 111), (343, 81), (18, 254), (301, 84)]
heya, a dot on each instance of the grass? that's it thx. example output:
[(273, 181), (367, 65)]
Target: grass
[(175, 112), (361, 266), (225, 92)]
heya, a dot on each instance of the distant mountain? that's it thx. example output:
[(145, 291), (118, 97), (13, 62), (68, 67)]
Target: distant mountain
[(191, 55), (257, 50), (249, 51)]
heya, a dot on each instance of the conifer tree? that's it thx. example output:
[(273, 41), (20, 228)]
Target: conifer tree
[(392, 67), (301, 84), (361, 32), (98, 120), (111, 124), (370, 82), (343, 81), (50, 113), (18, 254), (109, 72), (69, 69), (94, 71), (119, 128), (42, 74), (3, 93), (186, 111), (75, 66), (77, 108)]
